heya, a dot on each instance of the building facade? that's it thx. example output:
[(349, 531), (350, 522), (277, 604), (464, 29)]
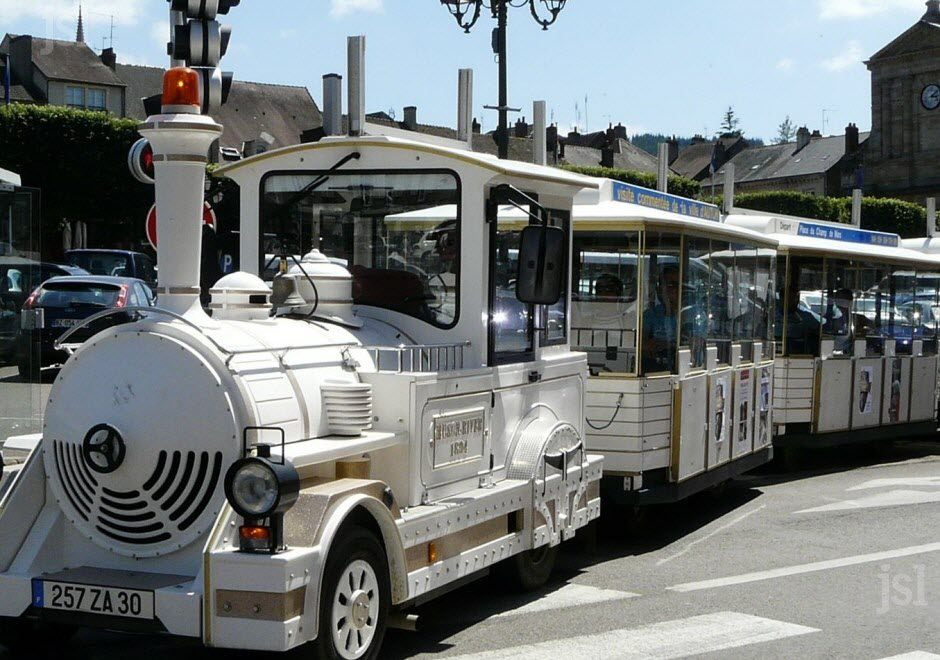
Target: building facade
[(903, 151)]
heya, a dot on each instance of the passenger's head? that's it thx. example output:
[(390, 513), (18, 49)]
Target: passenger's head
[(842, 298), (669, 286), (608, 285)]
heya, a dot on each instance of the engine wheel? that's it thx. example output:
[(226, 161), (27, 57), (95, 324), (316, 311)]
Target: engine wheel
[(531, 569), (355, 598)]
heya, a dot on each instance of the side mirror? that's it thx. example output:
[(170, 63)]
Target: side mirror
[(542, 258)]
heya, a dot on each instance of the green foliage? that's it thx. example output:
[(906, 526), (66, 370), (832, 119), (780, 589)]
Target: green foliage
[(677, 185), (78, 159), (878, 214)]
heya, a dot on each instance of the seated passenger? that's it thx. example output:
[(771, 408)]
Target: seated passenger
[(608, 286), (802, 325), (843, 323), (660, 324)]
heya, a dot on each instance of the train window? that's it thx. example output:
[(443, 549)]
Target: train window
[(764, 293), (924, 309), (398, 233), (745, 299), (662, 300), (720, 294), (696, 290), (605, 288), (799, 306)]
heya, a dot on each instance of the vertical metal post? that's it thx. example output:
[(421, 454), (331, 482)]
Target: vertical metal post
[(539, 150), (729, 189), (356, 51), (931, 217), (176, 18), (332, 104), (662, 184), (857, 208), (503, 130), (465, 106)]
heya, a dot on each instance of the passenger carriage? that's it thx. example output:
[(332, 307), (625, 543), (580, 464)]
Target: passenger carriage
[(675, 312), (856, 333), (392, 416)]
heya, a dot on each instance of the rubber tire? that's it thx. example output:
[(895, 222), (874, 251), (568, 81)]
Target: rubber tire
[(529, 570), (356, 543), (25, 638)]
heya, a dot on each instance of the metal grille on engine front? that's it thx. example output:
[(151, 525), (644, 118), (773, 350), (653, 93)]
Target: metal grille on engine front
[(168, 504)]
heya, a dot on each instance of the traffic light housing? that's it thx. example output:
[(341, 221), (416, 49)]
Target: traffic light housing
[(140, 161), (201, 42)]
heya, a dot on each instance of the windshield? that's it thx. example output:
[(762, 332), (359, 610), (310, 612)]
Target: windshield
[(398, 234)]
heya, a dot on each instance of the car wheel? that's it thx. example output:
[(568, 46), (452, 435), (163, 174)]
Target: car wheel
[(356, 598)]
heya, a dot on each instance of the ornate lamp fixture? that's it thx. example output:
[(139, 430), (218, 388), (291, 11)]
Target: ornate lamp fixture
[(466, 13)]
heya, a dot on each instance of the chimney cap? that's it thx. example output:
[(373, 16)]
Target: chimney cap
[(933, 11)]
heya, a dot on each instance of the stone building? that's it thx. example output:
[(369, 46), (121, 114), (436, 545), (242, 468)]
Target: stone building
[(903, 153)]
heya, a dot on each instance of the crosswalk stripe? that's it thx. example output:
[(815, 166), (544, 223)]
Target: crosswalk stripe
[(890, 498), (570, 595), (806, 568), (659, 641), (914, 655)]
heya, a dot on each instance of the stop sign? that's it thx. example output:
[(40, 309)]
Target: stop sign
[(208, 218)]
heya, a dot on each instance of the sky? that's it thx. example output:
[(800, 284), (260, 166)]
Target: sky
[(667, 66)]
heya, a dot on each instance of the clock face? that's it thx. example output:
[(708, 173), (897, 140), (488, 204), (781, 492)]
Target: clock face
[(930, 97)]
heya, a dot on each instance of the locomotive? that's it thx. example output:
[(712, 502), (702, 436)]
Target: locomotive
[(392, 416)]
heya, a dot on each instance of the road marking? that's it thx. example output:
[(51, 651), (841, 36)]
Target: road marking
[(570, 595), (914, 655), (913, 482), (806, 568), (710, 535), (891, 498), (659, 641)]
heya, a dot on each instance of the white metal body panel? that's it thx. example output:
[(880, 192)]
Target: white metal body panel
[(866, 392), (793, 389), (719, 418), (834, 411), (693, 408), (923, 383)]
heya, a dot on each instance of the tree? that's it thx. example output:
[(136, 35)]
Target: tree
[(730, 125), (785, 132)]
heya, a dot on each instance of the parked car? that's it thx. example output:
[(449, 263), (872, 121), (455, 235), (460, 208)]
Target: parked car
[(117, 263), (67, 302), (18, 277)]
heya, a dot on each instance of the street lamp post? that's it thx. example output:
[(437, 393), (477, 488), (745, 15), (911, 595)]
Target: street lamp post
[(466, 13)]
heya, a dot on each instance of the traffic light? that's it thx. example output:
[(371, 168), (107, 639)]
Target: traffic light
[(201, 42), (140, 161)]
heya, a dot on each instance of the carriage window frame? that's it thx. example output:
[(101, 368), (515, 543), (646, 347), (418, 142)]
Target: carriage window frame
[(314, 173)]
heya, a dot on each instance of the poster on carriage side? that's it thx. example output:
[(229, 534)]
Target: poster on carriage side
[(743, 404), (764, 402)]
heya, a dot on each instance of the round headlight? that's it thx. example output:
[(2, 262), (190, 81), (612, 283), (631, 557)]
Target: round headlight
[(257, 487), (254, 489)]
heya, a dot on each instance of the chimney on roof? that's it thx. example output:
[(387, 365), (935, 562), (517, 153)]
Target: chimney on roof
[(551, 142), (607, 157), (933, 12), (80, 33), (697, 139), (802, 138), (611, 135), (816, 135), (522, 128), (673, 144), (574, 138), (476, 126), (621, 131), (109, 58), (851, 139), (411, 118)]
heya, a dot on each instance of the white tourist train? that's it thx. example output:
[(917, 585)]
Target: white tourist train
[(313, 459)]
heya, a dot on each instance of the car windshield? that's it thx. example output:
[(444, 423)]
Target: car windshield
[(78, 294)]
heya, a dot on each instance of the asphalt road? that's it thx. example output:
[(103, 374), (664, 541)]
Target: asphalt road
[(841, 561)]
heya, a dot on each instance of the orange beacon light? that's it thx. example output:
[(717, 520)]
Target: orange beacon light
[(181, 93)]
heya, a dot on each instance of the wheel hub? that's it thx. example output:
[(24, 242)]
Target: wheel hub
[(359, 610)]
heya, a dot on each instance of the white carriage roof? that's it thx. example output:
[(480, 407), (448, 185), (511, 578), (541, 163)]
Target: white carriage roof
[(829, 238), (509, 168)]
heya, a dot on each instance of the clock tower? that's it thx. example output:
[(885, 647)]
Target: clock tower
[(903, 153)]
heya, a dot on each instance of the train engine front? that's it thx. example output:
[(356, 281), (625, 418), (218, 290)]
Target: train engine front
[(380, 424)]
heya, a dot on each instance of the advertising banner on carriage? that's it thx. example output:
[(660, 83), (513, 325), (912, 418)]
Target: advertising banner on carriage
[(843, 234), (630, 194)]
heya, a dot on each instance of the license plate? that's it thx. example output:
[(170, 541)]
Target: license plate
[(65, 323), (93, 599)]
